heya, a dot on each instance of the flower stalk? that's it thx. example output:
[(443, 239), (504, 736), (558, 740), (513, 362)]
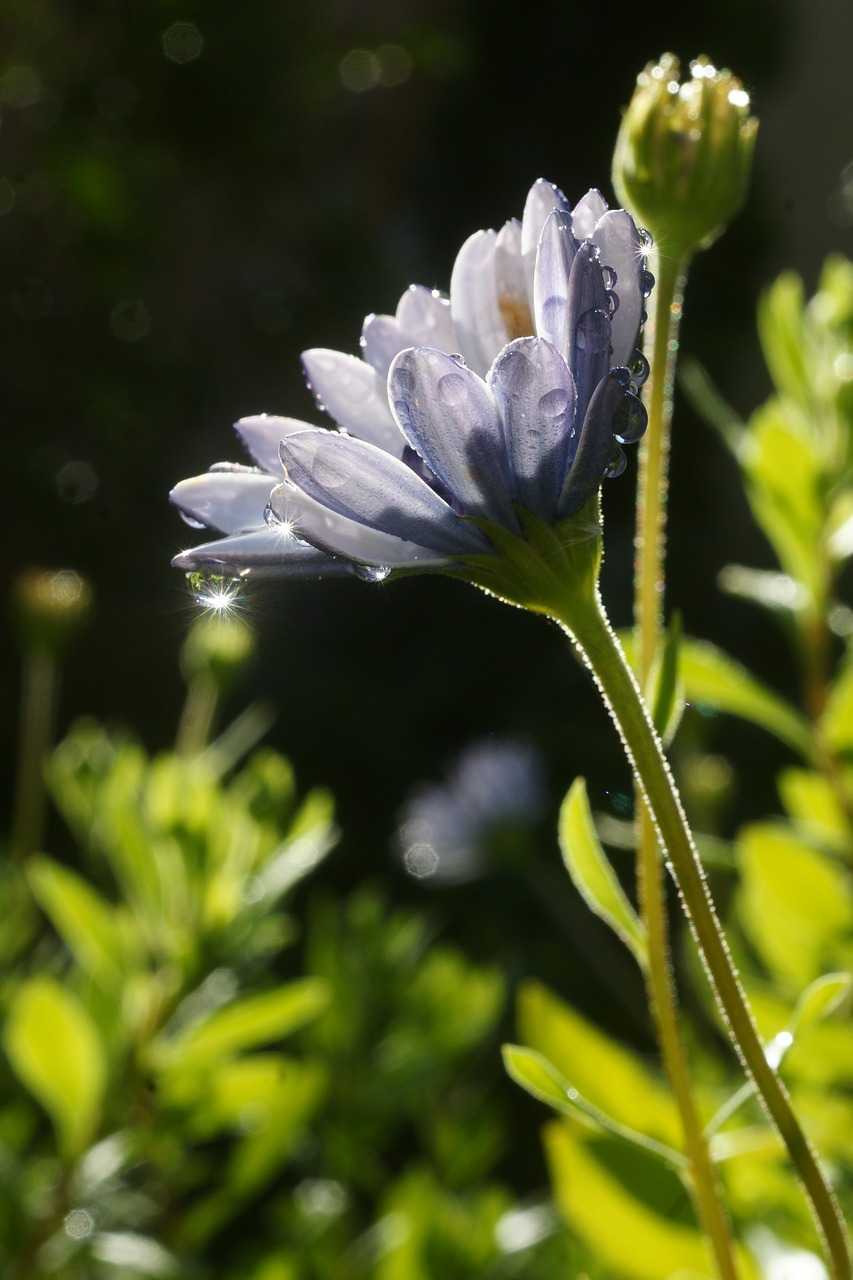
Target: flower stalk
[(583, 618)]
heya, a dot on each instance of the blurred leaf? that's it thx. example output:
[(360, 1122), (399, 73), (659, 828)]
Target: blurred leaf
[(134, 1254), (542, 1079), (54, 1047), (245, 1024), (609, 1075), (795, 904), (712, 678), (781, 329), (820, 999), (665, 692), (593, 874), (813, 803), (836, 723), (773, 590), (644, 1235), (96, 933)]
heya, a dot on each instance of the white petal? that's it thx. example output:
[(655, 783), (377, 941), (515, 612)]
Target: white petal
[(263, 553), (542, 198), (510, 283), (425, 319), (261, 433), (587, 212), (230, 501), (474, 302), (338, 535), (354, 394), (617, 238)]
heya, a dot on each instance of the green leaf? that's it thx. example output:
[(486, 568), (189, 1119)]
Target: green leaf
[(542, 1079), (56, 1052), (781, 329), (795, 904), (714, 679), (594, 877), (609, 1076), (819, 1000), (836, 724), (245, 1024), (814, 805), (665, 695), (95, 933)]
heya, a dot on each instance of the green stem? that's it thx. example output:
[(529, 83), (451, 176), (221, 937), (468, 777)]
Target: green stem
[(662, 344), (588, 627), (197, 717)]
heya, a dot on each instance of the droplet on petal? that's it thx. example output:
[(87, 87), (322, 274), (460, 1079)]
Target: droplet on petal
[(514, 372), (647, 283), (553, 403), (616, 465), (372, 572), (452, 390), (592, 332), (629, 420), (639, 368)]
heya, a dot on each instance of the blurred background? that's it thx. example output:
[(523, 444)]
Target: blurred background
[(192, 194)]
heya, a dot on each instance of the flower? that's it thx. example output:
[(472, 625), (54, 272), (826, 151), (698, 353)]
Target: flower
[(462, 417), (488, 804), (684, 152)]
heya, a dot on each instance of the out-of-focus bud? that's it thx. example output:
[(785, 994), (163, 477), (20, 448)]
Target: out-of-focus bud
[(50, 607), (684, 153), (217, 650)]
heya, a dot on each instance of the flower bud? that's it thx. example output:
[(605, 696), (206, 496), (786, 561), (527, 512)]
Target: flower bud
[(684, 153), (217, 650), (50, 606)]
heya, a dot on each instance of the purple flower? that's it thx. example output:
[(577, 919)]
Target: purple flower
[(513, 395)]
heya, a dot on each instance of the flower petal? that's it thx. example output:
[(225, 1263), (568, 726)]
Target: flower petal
[(474, 302), (535, 394), (380, 341), (619, 245), (425, 318), (510, 284), (263, 553), (449, 417), (339, 536), (542, 198), (596, 447), (365, 484), (355, 396), (557, 250), (588, 327), (231, 501), (261, 434), (587, 212)]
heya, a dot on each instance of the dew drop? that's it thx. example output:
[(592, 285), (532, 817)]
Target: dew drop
[(327, 473), (609, 277), (592, 331), (639, 368), (452, 390), (616, 465), (553, 313), (612, 302), (515, 372), (646, 240), (553, 403), (647, 283), (213, 591), (629, 420), (372, 572)]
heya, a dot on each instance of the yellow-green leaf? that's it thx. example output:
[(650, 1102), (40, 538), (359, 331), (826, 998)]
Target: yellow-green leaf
[(590, 869), (56, 1051)]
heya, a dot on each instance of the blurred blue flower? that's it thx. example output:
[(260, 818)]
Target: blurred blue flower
[(451, 832), (514, 393)]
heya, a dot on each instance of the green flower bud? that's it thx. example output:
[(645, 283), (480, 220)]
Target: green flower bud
[(684, 153), (50, 606), (216, 650)]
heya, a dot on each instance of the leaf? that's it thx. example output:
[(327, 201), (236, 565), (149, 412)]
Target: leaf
[(542, 1080), (56, 1052), (89, 925), (592, 873), (819, 1000), (245, 1024), (665, 694), (610, 1076), (713, 678), (636, 1239), (795, 904)]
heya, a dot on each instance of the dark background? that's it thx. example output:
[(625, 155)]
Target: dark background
[(175, 229)]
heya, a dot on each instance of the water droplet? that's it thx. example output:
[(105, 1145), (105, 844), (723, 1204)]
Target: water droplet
[(629, 420), (372, 572), (553, 313), (647, 283), (213, 591), (639, 367), (646, 240), (592, 331), (553, 403), (616, 465), (609, 277), (458, 359), (326, 472), (191, 520), (612, 302), (515, 372), (452, 390)]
